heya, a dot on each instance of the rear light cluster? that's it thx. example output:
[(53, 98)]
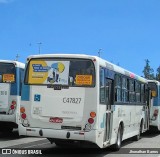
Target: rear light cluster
[(92, 116), (89, 125), (155, 114), (23, 114), (13, 105)]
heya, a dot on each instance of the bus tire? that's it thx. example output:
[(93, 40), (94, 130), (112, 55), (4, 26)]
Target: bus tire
[(138, 136), (118, 143)]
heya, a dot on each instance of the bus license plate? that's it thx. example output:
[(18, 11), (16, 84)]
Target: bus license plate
[(55, 120)]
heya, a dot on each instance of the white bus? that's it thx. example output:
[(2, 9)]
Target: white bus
[(155, 104), (11, 78), (71, 98)]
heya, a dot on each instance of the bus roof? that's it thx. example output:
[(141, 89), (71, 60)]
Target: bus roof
[(17, 64), (158, 83), (102, 62), (62, 55), (121, 70)]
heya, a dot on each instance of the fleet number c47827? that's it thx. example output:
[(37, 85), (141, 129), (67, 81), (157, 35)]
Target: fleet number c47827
[(72, 100)]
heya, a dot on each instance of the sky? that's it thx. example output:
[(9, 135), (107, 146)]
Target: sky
[(127, 32)]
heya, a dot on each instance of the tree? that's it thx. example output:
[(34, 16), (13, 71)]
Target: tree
[(158, 74), (148, 71)]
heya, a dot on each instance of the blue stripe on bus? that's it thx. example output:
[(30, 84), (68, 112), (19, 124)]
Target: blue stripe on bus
[(25, 93), (155, 102), (16, 87), (159, 93)]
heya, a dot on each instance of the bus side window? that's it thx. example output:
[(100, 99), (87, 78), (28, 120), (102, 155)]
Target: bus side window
[(0, 78), (107, 93), (124, 89), (118, 88), (102, 86), (146, 93), (142, 93), (137, 90), (131, 90)]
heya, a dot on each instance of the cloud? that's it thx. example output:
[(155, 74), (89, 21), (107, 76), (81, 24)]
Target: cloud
[(5, 1)]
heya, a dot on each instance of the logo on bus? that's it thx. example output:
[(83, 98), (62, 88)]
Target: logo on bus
[(37, 97), (55, 120)]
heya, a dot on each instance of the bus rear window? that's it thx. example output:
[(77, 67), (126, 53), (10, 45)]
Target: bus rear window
[(67, 72), (82, 73), (7, 73)]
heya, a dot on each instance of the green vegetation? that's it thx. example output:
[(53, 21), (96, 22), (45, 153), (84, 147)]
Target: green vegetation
[(149, 72)]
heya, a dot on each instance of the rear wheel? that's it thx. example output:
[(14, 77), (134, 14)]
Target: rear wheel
[(118, 143), (138, 136)]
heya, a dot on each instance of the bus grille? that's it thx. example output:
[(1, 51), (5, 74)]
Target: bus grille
[(71, 127)]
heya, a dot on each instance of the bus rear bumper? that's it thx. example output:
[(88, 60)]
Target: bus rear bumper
[(8, 118), (58, 134)]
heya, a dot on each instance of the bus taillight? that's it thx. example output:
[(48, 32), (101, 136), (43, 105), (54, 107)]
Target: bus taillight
[(90, 120), (93, 114), (12, 107), (23, 115), (155, 114), (22, 109)]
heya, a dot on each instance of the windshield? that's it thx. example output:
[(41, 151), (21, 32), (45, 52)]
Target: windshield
[(65, 72), (7, 72)]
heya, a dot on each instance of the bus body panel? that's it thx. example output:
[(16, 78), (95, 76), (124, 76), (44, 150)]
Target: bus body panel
[(56, 103), (4, 96), (44, 113)]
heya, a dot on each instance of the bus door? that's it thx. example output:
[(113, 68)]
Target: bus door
[(147, 107), (109, 114), (147, 110), (152, 93)]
